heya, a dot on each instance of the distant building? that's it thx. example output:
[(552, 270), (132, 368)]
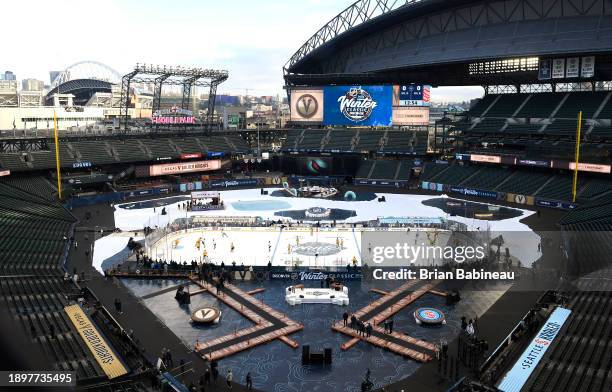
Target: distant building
[(32, 85), (8, 75)]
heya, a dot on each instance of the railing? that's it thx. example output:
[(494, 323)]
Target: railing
[(507, 341)]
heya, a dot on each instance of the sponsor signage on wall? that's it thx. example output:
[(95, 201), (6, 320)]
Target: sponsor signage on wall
[(519, 199), (432, 186), (305, 275), (582, 166), (474, 192), (195, 155), (358, 105), (184, 167), (554, 204), (485, 158), (81, 164), (174, 115), (590, 167), (101, 350), (516, 378), (204, 195), (533, 162), (307, 105), (232, 183), (410, 116), (167, 120)]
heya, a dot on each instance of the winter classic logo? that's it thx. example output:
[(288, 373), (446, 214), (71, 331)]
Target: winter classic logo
[(357, 104)]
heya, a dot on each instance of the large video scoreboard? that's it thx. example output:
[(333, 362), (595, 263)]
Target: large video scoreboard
[(353, 105)]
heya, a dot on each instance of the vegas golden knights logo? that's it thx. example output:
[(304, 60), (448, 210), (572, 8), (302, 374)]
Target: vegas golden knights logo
[(307, 106)]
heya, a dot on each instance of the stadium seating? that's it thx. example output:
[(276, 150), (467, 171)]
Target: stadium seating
[(595, 188), (506, 105), (523, 182), (369, 140), (341, 140), (384, 170), (93, 151), (13, 162), (487, 178), (482, 105), (406, 142), (606, 110), (130, 150), (540, 105), (455, 174), (38, 302), (431, 170), (364, 169), (587, 102), (34, 230), (488, 125), (559, 188), (404, 171)]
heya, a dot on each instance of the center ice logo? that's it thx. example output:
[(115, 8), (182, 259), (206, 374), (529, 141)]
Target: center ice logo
[(357, 104)]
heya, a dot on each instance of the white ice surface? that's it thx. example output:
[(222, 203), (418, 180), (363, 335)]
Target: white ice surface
[(519, 238), (109, 246)]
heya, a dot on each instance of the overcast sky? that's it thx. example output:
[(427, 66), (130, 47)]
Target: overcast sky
[(252, 39)]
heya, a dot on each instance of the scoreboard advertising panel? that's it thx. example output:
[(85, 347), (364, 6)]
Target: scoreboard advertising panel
[(362, 105), (307, 105)]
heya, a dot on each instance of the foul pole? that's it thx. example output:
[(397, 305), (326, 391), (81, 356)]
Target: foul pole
[(577, 156), (57, 158)]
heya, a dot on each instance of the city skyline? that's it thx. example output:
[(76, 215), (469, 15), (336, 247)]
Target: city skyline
[(246, 38)]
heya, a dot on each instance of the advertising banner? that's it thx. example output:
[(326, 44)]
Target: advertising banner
[(558, 68), (412, 95), (358, 105), (397, 184), (231, 183), (516, 378), (554, 204), (572, 67), (81, 164), (307, 275), (533, 162), (307, 105), (519, 199), (590, 167), (204, 195), (545, 69), (485, 158), (410, 116), (474, 192), (432, 186), (101, 350), (195, 155), (183, 167), (588, 67)]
